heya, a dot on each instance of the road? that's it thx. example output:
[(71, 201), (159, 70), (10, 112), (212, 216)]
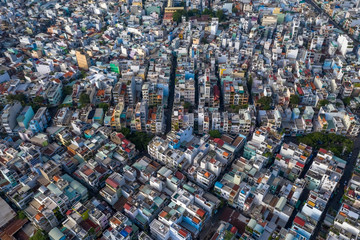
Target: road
[(211, 225), (222, 108), (334, 202), (304, 194), (168, 110), (322, 11)]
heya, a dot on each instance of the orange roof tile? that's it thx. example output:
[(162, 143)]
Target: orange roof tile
[(200, 212), (38, 216), (196, 220), (163, 214), (100, 93)]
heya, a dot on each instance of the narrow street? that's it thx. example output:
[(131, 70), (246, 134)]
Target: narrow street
[(322, 11), (196, 90), (334, 202), (168, 110), (222, 108)]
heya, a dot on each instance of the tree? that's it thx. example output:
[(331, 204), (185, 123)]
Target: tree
[(268, 154), (39, 235), (82, 74), (177, 16), (208, 12), (92, 231), (244, 106), (187, 105), (17, 97), (204, 41), (333, 142), (234, 10), (265, 103), (67, 90), (84, 99), (346, 101), (104, 106), (295, 99), (249, 83), (38, 100), (236, 108), (21, 214), (58, 214), (215, 133), (338, 104), (140, 139), (193, 12), (323, 102), (126, 132), (220, 15)]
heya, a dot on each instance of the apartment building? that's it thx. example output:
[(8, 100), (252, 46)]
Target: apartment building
[(8, 117)]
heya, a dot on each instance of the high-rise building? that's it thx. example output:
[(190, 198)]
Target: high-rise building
[(8, 117)]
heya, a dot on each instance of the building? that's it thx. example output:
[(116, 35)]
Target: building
[(50, 169), (8, 117), (40, 121), (83, 60), (54, 93), (6, 213), (25, 117)]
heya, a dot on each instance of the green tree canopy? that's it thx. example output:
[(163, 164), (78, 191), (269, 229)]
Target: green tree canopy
[(295, 99), (177, 16), (104, 106), (265, 103), (140, 139), (236, 108), (67, 90), (208, 12), (39, 100), (221, 15), (215, 133), (21, 214), (84, 99), (187, 105), (126, 132), (39, 235), (17, 97), (194, 12), (333, 142), (346, 101), (323, 102), (83, 74)]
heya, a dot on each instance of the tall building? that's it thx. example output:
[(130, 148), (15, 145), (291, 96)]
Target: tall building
[(25, 116), (8, 117), (39, 122), (214, 25), (83, 60)]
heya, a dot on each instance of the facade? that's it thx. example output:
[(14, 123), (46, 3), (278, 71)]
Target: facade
[(8, 117), (25, 117)]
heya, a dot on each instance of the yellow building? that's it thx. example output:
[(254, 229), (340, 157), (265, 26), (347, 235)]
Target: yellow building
[(137, 3), (82, 60), (173, 9)]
